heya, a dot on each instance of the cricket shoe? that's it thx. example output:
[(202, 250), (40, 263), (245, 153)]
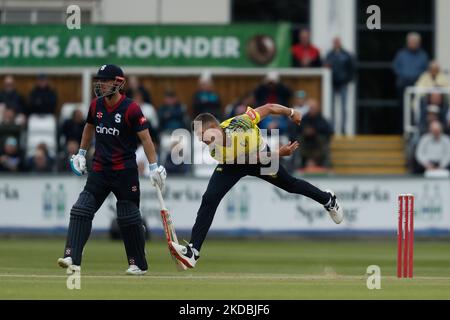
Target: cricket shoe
[(134, 270), (67, 263), (334, 209), (185, 254)]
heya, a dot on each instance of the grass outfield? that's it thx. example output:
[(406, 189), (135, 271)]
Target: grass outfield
[(299, 269)]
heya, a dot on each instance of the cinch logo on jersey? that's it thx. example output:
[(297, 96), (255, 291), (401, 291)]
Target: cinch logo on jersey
[(106, 130)]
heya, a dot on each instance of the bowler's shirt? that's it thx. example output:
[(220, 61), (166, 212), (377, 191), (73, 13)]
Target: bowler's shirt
[(243, 138)]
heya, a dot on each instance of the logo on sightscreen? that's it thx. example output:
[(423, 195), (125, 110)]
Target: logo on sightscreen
[(105, 130)]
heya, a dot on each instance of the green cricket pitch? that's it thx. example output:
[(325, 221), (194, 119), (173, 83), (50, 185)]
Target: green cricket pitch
[(227, 269)]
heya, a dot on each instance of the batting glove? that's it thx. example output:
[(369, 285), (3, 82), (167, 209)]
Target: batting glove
[(158, 176), (78, 162)]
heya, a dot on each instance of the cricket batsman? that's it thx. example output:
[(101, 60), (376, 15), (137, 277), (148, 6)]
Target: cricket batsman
[(116, 122), (235, 138)]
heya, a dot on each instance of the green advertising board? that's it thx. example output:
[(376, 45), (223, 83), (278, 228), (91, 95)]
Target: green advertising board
[(235, 45)]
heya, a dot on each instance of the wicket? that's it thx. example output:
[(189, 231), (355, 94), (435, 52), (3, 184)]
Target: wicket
[(405, 236)]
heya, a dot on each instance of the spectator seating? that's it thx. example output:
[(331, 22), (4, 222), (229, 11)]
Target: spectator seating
[(41, 129), (67, 110), (411, 106)]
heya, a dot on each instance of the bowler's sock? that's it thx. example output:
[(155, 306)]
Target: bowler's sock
[(195, 251), (329, 202)]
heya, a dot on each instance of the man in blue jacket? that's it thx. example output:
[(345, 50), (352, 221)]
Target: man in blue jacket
[(409, 63)]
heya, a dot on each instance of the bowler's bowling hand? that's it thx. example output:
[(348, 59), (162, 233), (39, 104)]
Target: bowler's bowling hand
[(288, 149)]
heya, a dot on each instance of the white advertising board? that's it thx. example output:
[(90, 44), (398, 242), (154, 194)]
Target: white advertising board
[(370, 204)]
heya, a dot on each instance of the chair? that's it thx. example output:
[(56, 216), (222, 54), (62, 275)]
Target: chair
[(67, 110), (66, 113), (41, 128)]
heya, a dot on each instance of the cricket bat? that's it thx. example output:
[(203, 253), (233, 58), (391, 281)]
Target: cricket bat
[(169, 229)]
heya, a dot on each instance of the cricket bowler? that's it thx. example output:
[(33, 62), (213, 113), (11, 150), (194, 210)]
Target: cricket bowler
[(235, 138), (116, 122)]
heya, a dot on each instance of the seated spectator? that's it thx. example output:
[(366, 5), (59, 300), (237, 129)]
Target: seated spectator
[(70, 148), (240, 106), (206, 99), (432, 114), (315, 133), (10, 97), (72, 129), (9, 117), (171, 114), (436, 99), (272, 90), (9, 156), (9, 127), (305, 55), (43, 98), (134, 86), (301, 102), (433, 151), (433, 77), (41, 160)]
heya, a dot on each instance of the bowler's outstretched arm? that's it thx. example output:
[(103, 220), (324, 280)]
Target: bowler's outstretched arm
[(278, 109)]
